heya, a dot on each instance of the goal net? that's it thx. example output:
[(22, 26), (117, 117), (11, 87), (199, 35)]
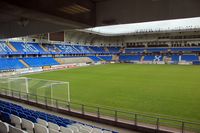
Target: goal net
[(36, 88), (19, 84)]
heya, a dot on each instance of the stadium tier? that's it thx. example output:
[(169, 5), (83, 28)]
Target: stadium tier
[(152, 58), (185, 49), (175, 58), (157, 49), (114, 49), (38, 62), (39, 122), (24, 55), (95, 58), (28, 48), (106, 58), (175, 49), (189, 58), (4, 48), (10, 64), (130, 57), (99, 50), (134, 50)]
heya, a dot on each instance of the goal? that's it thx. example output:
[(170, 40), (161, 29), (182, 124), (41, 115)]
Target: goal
[(37, 87), (19, 84)]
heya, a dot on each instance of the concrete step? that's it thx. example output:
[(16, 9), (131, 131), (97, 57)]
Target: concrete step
[(142, 58), (46, 50), (11, 47), (24, 63)]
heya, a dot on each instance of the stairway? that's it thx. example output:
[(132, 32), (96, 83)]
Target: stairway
[(11, 47), (164, 58), (43, 48), (59, 60), (142, 58), (90, 49), (106, 49), (24, 63), (100, 58), (122, 50), (59, 50), (115, 57), (77, 50), (180, 58)]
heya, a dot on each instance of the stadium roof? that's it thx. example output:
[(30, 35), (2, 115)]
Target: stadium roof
[(147, 27)]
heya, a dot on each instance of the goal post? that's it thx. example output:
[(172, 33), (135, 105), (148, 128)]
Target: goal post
[(18, 84), (41, 88), (60, 91), (50, 88)]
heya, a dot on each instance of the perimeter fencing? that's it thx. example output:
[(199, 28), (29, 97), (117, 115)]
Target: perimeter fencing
[(136, 119)]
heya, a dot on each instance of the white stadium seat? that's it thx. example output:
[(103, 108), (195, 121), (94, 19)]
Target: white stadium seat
[(15, 130), (42, 122), (82, 130), (78, 126), (87, 128), (107, 132), (40, 128), (74, 128), (66, 130), (53, 131), (16, 121), (27, 125), (53, 126), (96, 130), (4, 127)]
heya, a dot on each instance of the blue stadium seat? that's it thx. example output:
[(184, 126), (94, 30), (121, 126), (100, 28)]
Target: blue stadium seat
[(106, 58), (6, 117), (157, 49), (134, 50), (4, 48), (190, 58), (7, 64), (186, 49), (94, 58), (97, 49), (67, 49), (32, 118), (38, 62), (130, 57), (22, 115), (114, 49), (175, 58), (82, 49), (28, 48), (153, 58)]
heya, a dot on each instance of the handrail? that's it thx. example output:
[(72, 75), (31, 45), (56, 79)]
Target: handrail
[(101, 112)]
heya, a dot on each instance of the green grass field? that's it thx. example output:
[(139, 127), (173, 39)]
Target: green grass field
[(171, 90)]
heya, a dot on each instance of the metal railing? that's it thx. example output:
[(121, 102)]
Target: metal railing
[(136, 119)]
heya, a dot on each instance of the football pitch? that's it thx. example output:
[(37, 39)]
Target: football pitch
[(171, 90)]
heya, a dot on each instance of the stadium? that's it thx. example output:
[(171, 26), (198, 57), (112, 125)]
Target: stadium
[(100, 66)]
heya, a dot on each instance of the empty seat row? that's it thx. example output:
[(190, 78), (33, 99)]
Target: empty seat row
[(130, 57), (42, 126), (136, 50), (7, 128), (10, 64), (38, 62), (28, 120), (106, 58)]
